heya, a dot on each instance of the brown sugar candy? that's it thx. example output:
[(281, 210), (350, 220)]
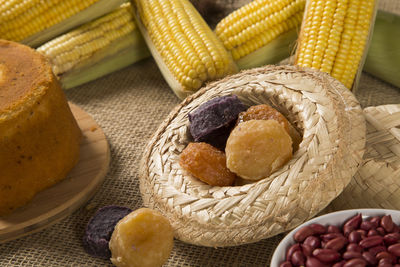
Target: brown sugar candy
[(256, 148), (143, 238), (266, 112), (206, 163)]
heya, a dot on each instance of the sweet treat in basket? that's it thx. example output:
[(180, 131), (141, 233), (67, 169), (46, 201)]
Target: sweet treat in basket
[(39, 137), (99, 229), (256, 148), (266, 112), (333, 129), (263, 112), (143, 238), (213, 121), (206, 163)]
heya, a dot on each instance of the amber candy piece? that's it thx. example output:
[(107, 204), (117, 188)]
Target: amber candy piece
[(264, 112), (206, 163), (256, 148), (143, 238)]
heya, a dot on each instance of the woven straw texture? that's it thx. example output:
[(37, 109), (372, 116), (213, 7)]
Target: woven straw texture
[(333, 144), (129, 105), (377, 184)]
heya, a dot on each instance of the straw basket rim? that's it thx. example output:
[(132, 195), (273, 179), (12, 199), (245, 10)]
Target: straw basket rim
[(329, 155), (376, 183)]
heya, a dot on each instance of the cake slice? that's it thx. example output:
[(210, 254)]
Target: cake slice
[(39, 137)]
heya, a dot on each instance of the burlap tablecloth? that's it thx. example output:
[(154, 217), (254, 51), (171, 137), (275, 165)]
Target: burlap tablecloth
[(129, 105)]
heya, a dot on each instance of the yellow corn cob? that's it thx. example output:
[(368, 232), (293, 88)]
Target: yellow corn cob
[(186, 50), (382, 57), (254, 26), (33, 22), (84, 49), (334, 36)]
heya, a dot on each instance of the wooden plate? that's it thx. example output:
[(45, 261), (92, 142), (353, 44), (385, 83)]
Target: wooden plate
[(60, 200)]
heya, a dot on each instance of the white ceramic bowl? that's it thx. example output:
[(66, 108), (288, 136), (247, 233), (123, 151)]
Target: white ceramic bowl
[(334, 218)]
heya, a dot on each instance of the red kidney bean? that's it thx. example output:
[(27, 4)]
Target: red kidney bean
[(395, 249), (375, 250), (367, 225), (326, 255), (318, 229), (381, 231), (348, 255), (371, 260), (387, 223), (352, 224), (286, 264), (306, 249), (336, 244), (396, 228), (372, 232), (314, 262), (354, 247), (347, 230), (354, 237), (330, 236), (376, 221), (385, 254), (363, 233), (333, 229), (391, 238), (385, 262), (371, 241), (339, 264), (356, 262), (397, 265), (298, 258), (313, 242), (291, 250), (303, 233)]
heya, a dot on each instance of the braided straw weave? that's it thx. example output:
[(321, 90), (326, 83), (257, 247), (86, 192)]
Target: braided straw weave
[(377, 182), (333, 129)]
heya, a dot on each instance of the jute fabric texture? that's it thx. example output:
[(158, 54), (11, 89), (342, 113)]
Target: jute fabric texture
[(129, 105)]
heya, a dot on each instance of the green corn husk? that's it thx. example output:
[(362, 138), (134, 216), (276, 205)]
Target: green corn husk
[(272, 53), (383, 58), (119, 55), (96, 48)]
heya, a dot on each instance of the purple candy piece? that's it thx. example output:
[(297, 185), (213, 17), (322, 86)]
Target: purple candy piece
[(100, 228), (212, 121)]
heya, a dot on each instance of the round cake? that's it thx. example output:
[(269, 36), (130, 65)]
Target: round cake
[(39, 137)]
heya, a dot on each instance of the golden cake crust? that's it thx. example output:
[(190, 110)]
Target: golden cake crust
[(39, 137)]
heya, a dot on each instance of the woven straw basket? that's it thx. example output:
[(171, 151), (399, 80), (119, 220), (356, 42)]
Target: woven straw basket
[(377, 183), (333, 129)]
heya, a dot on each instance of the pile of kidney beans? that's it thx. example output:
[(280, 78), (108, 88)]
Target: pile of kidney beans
[(371, 242)]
